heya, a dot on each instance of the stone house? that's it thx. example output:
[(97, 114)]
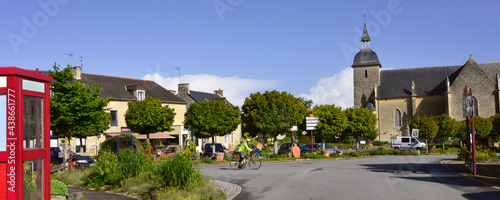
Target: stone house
[(230, 140), (124, 90), (397, 95)]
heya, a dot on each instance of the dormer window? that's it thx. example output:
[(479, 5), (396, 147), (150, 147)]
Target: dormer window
[(140, 96), (138, 91)]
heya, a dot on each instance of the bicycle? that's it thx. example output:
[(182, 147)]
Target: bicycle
[(253, 161)]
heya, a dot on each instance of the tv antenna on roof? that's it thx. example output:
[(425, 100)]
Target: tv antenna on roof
[(179, 69), (81, 61), (70, 54)]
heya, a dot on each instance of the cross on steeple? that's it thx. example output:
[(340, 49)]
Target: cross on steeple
[(470, 55)]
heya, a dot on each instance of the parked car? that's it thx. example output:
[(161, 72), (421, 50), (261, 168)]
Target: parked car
[(78, 160), (207, 151), (319, 147), (286, 147)]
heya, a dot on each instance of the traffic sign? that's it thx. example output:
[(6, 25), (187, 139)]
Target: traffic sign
[(311, 123)]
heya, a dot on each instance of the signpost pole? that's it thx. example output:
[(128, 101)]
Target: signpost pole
[(312, 145), (474, 170)]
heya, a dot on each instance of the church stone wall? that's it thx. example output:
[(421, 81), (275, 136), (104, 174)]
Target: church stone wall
[(430, 105), (364, 80), (386, 110)]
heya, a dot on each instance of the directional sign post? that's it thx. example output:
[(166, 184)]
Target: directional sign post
[(311, 124)]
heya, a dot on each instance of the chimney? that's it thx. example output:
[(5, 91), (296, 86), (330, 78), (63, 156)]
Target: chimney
[(219, 92), (183, 89), (77, 72)]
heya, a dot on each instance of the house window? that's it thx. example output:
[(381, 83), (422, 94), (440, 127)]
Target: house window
[(216, 139), (81, 147), (232, 138), (397, 118), (226, 139), (114, 117), (140, 96)]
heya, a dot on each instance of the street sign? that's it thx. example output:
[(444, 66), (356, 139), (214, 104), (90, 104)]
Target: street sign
[(414, 132), (294, 128), (311, 123)]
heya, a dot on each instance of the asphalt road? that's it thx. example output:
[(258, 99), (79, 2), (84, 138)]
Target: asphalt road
[(383, 177)]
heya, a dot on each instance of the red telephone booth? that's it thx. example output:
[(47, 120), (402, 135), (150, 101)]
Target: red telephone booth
[(24, 134)]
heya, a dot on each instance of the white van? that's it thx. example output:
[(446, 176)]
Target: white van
[(407, 143)]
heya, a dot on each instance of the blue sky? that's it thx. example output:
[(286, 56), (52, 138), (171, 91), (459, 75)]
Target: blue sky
[(244, 46)]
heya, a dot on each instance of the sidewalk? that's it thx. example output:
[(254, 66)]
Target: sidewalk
[(486, 172)]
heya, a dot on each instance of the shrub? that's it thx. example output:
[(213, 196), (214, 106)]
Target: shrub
[(110, 143), (177, 171), (379, 143), (131, 163), (315, 156), (286, 140), (190, 150), (104, 172), (353, 154), (274, 155), (58, 188), (73, 177), (305, 139)]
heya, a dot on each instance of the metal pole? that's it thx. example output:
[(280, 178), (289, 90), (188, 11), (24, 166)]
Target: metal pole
[(312, 145), (474, 171), (132, 141), (117, 150)]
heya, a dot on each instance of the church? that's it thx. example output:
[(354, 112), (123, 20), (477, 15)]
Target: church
[(398, 95)]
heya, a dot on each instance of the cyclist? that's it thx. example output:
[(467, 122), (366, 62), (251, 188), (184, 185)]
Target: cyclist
[(242, 150)]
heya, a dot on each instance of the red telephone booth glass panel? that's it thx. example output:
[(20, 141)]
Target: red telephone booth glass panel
[(33, 122), (33, 179)]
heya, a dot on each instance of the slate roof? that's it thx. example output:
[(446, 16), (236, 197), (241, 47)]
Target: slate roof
[(117, 87), (366, 56), (204, 96), (428, 80)]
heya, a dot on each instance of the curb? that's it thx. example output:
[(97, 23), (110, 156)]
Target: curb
[(229, 189), (469, 176)]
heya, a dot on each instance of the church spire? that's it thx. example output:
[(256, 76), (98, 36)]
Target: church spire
[(365, 39)]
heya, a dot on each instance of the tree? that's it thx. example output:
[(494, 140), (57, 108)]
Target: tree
[(483, 126), (495, 132), (332, 120), (212, 118), (427, 126), (76, 109), (448, 127), (149, 116), (272, 113), (361, 123)]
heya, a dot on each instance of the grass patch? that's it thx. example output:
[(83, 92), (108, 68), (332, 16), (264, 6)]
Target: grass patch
[(201, 191), (74, 178)]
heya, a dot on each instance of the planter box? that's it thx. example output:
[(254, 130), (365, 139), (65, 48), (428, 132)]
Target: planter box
[(219, 156)]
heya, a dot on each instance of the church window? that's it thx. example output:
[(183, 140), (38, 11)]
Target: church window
[(397, 118), (366, 74)]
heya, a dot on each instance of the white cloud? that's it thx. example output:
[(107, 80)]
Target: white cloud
[(337, 89), (235, 89)]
